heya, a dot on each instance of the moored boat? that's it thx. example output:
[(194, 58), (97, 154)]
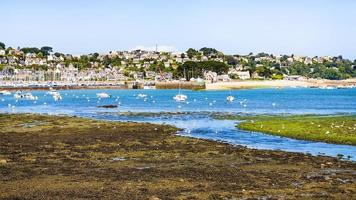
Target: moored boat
[(180, 97), (5, 92), (230, 98), (103, 95)]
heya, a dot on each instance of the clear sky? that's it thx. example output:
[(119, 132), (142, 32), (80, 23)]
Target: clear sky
[(302, 27)]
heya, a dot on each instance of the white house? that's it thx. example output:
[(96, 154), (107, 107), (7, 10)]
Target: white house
[(223, 77), (210, 76), (243, 75)]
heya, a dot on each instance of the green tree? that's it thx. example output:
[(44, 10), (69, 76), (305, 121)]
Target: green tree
[(46, 50), (277, 76), (57, 54), (2, 45), (208, 51), (331, 74), (192, 69), (299, 68), (115, 61), (264, 71), (192, 52), (30, 50), (231, 60)]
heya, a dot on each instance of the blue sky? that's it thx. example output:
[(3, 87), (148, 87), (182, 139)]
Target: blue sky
[(318, 27)]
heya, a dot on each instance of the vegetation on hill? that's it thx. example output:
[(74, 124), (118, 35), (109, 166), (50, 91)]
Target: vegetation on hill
[(192, 69), (194, 61)]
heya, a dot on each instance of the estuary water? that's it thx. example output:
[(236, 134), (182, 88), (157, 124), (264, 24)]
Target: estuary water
[(195, 115)]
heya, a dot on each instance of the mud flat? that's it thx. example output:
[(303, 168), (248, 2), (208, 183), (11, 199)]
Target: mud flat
[(60, 157)]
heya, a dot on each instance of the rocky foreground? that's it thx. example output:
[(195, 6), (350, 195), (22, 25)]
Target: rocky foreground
[(56, 157)]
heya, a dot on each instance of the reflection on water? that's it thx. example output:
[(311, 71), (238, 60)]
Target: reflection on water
[(197, 122)]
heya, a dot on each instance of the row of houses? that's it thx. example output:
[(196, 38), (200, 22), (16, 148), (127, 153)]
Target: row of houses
[(72, 74)]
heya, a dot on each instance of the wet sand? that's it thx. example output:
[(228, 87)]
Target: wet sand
[(58, 157)]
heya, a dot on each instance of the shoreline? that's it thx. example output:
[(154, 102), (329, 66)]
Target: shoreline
[(252, 84), (74, 157), (231, 85)]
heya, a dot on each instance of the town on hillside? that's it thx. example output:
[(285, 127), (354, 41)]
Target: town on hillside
[(31, 65)]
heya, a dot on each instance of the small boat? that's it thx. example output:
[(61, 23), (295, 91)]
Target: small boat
[(18, 95), (5, 92), (327, 87), (57, 97), (146, 87), (52, 92), (180, 97), (230, 98), (141, 95), (103, 95), (29, 96)]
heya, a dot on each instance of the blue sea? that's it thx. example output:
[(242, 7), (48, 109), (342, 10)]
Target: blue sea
[(197, 120)]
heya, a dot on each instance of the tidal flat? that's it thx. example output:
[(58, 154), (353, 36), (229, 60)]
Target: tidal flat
[(61, 157)]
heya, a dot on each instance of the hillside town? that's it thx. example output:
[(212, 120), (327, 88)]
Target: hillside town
[(204, 65)]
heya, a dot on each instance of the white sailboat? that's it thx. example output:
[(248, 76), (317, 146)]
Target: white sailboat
[(57, 96), (180, 97), (141, 95), (230, 98), (103, 95), (52, 92)]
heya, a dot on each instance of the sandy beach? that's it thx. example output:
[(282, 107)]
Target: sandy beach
[(247, 84)]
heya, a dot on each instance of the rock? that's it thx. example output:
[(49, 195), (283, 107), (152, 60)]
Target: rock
[(3, 161), (108, 106)]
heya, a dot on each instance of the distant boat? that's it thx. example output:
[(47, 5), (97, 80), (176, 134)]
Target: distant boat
[(179, 96), (230, 98), (141, 95), (103, 95), (327, 87), (57, 97), (52, 92), (29, 96), (5, 92), (17, 95)]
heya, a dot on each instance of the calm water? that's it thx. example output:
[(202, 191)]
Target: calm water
[(198, 122)]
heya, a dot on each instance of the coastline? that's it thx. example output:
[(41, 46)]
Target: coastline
[(72, 157), (75, 87), (251, 84), (231, 85)]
